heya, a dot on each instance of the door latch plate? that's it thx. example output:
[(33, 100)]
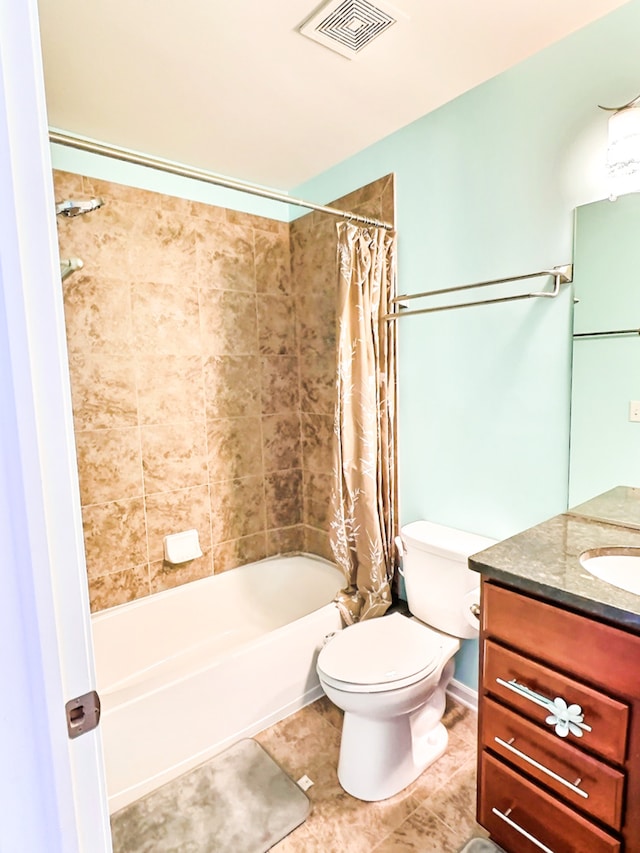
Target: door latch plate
[(83, 714)]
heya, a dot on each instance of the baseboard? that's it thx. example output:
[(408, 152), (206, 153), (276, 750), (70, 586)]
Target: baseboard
[(466, 696)]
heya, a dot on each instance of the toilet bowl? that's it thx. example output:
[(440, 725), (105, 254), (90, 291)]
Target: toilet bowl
[(389, 675)]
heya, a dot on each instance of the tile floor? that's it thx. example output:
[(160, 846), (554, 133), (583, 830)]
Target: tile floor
[(436, 814)]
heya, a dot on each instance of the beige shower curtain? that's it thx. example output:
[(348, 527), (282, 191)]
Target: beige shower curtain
[(364, 499)]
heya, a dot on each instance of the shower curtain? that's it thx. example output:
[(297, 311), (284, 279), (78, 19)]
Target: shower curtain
[(364, 498)]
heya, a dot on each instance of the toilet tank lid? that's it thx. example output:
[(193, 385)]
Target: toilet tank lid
[(439, 539)]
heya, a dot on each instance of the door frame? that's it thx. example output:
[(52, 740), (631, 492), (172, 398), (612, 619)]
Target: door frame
[(53, 788)]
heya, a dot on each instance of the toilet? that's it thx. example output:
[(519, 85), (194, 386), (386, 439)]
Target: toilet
[(390, 674)]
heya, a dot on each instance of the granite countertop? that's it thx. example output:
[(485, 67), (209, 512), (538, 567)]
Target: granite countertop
[(544, 559)]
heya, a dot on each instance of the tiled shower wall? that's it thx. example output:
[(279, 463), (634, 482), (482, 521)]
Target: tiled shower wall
[(202, 378)]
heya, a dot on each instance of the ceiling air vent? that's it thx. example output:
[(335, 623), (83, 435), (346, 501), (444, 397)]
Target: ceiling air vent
[(348, 26)]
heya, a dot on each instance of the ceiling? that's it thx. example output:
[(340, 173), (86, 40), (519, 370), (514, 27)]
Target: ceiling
[(234, 88)]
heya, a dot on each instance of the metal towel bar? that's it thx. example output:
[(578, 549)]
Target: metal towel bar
[(561, 275), (603, 334)]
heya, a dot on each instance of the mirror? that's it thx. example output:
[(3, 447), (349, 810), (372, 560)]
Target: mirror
[(605, 441)]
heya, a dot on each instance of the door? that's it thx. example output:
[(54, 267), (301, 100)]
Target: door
[(52, 788)]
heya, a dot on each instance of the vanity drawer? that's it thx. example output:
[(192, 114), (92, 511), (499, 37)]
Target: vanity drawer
[(608, 718), (516, 811), (600, 654), (584, 781)]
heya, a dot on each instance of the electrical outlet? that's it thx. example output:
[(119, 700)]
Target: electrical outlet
[(634, 410)]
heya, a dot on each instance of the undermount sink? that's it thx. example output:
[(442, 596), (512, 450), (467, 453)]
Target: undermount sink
[(618, 566)]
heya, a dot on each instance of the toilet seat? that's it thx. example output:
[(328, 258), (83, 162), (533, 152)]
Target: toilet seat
[(380, 654)]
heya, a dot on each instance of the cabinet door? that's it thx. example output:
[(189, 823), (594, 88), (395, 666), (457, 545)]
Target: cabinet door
[(521, 817), (509, 675), (584, 781)]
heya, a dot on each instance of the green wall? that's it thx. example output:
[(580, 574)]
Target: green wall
[(486, 188)]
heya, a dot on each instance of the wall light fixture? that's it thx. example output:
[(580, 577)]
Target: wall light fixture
[(623, 152)]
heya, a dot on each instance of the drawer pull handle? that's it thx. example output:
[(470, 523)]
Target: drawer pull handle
[(565, 718), (527, 835), (573, 787)]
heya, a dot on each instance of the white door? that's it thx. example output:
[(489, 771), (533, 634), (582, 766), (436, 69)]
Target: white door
[(52, 788)]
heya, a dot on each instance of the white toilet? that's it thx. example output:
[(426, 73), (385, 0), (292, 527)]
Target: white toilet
[(389, 675)]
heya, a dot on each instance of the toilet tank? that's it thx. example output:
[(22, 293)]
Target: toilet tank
[(437, 578)]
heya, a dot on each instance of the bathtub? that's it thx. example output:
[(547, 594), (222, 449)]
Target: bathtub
[(184, 673)]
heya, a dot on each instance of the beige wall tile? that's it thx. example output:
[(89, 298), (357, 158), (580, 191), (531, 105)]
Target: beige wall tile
[(317, 542), (281, 442), (387, 200), (261, 223), (285, 540), (174, 456), (229, 322), (273, 270), (164, 575), (317, 438), (111, 192), (102, 239), (170, 388), (313, 254), (239, 552), (316, 324), (317, 496), (115, 536), (226, 257), (235, 448), (185, 207), (232, 386), (276, 325), (103, 390), (165, 319), (280, 391), (97, 315), (162, 246), (237, 508), (318, 384), (66, 184), (118, 587), (109, 465), (283, 493), (173, 512)]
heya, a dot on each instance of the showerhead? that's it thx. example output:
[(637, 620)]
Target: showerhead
[(70, 207)]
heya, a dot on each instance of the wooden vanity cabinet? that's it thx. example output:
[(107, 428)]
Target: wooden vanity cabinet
[(537, 790)]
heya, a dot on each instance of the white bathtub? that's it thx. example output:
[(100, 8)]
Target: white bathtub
[(185, 673)]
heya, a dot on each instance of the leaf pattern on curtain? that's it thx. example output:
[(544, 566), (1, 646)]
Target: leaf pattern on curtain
[(364, 497)]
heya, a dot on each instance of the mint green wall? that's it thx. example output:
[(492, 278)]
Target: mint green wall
[(486, 187)]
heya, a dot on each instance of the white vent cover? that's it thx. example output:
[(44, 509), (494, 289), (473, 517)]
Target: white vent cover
[(348, 26)]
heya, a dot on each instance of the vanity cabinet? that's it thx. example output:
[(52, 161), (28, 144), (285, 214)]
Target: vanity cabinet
[(538, 791)]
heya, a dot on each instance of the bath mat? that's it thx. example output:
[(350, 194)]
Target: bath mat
[(238, 802), (481, 845)]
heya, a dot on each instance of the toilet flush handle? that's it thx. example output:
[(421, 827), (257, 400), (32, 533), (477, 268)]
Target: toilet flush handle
[(401, 550)]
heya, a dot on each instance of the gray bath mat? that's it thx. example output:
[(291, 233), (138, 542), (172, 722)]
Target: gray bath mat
[(238, 802), (481, 845)]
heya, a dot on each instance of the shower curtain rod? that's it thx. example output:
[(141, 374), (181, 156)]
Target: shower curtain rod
[(561, 274), (92, 146)]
